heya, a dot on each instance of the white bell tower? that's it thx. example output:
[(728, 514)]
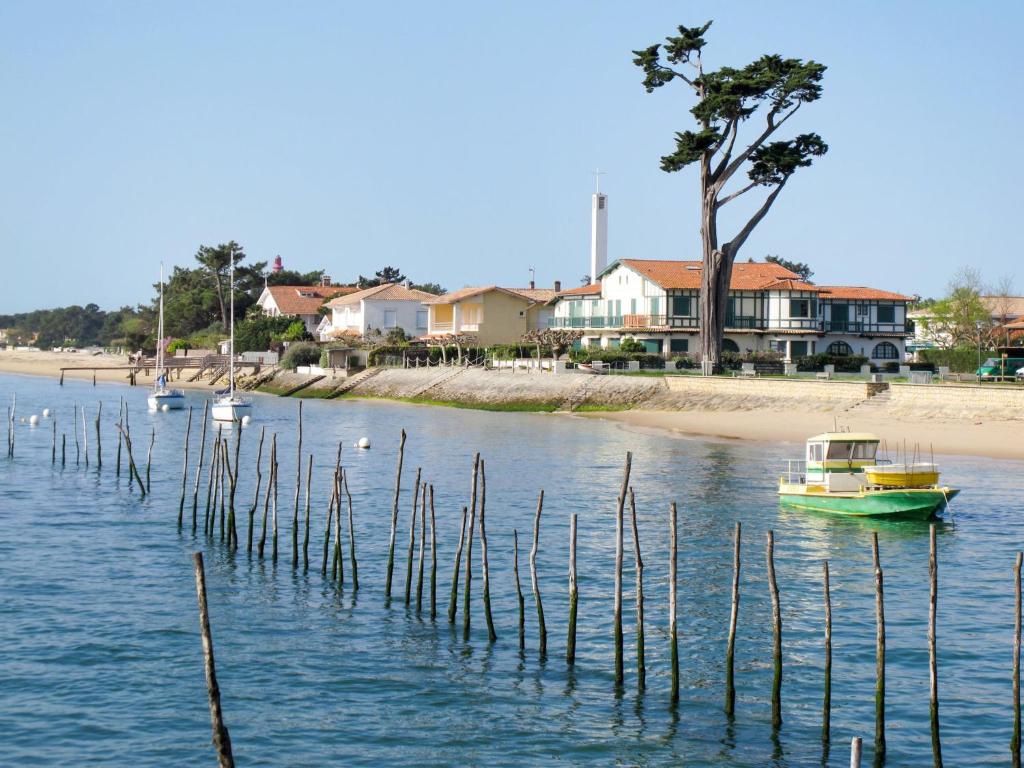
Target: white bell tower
[(598, 230)]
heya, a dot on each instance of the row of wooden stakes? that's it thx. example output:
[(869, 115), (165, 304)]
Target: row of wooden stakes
[(219, 513)]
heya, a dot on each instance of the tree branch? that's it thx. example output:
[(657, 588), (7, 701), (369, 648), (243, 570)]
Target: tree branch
[(736, 194), (734, 245), (732, 126), (720, 178)]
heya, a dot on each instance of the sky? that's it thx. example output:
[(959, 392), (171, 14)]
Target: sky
[(458, 141)]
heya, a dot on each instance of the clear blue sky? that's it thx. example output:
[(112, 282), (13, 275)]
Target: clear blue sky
[(457, 140)]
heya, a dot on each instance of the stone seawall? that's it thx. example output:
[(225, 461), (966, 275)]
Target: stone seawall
[(775, 394), (959, 401)]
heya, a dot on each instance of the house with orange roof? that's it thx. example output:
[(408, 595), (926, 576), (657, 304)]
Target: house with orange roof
[(379, 308), (769, 307), (301, 301), (490, 314)]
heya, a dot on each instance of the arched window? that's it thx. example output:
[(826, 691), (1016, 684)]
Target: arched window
[(728, 345), (839, 349), (885, 351)]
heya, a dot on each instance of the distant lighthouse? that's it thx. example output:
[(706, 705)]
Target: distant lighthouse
[(278, 266), (598, 232)]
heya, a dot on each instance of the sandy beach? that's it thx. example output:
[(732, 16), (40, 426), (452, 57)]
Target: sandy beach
[(109, 368), (996, 439), (956, 436)]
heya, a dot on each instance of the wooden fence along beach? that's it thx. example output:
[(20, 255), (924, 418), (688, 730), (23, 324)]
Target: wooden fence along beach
[(220, 524)]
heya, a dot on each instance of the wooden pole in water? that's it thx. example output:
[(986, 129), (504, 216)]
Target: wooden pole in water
[(542, 629), (233, 470), (469, 549), (266, 498), (1015, 739), (273, 483), (423, 546), (933, 668), (132, 468), (394, 517), (826, 707), (64, 447), (222, 487), (199, 464), (221, 738), (53, 443), (120, 416), (855, 750), (879, 652), (570, 642), (212, 472), (256, 494), (149, 458), (491, 635), (184, 469), (352, 541), (673, 636), (99, 446), (454, 602), (339, 560), (730, 648), (85, 440), (641, 664), (617, 620), (412, 535), (327, 531), (305, 540), (773, 588), (74, 420), (298, 485)]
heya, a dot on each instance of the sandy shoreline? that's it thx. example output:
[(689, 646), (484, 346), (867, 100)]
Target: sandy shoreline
[(995, 439), (969, 437)]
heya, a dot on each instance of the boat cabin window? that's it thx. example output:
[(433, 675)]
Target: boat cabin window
[(814, 451), (852, 450)]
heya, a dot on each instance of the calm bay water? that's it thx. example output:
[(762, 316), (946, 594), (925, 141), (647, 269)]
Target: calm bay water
[(101, 662)]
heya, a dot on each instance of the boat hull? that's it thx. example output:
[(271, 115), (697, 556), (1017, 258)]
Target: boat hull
[(231, 411), (906, 503), (174, 400)]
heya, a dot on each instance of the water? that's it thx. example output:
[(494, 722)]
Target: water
[(102, 664)]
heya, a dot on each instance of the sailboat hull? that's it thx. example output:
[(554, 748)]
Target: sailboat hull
[(230, 409), (173, 399)]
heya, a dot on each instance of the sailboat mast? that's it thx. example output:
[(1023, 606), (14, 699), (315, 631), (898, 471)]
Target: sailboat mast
[(231, 343), (160, 329)]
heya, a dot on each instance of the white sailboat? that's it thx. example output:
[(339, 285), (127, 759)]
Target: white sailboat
[(229, 406), (162, 397)]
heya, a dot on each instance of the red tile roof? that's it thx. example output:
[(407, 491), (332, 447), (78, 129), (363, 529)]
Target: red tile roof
[(746, 275), (537, 295), (305, 299), (583, 290), (859, 292), (384, 292)]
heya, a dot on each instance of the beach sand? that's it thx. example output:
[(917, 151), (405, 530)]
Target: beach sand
[(996, 439), (49, 364)]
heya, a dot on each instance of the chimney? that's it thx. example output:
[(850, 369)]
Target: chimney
[(558, 286), (532, 285)]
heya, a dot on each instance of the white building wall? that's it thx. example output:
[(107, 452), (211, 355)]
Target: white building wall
[(374, 315)]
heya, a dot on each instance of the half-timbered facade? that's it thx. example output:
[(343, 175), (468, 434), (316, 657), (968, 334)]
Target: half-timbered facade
[(769, 308)]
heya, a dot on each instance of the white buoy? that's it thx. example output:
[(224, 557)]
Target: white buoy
[(46, 413), (165, 407), (33, 420), (245, 420), (364, 442)]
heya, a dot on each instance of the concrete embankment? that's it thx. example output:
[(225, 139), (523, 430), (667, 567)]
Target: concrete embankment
[(475, 387)]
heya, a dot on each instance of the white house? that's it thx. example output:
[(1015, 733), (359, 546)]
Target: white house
[(769, 308), (301, 301), (382, 308)]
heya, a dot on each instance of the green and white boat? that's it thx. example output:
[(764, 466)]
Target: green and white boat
[(842, 475)]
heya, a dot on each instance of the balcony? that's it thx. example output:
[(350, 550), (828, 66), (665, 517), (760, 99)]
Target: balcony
[(852, 326), (746, 323), (644, 321), (597, 321), (441, 328)]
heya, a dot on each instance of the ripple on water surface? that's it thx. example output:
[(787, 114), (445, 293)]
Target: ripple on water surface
[(102, 662)]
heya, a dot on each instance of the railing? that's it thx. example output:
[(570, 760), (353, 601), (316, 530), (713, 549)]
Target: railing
[(441, 327), (643, 321), (854, 326), (796, 471), (596, 321), (744, 322)]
